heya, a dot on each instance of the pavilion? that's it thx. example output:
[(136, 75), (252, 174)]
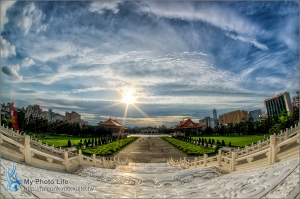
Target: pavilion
[(186, 127), (116, 127)]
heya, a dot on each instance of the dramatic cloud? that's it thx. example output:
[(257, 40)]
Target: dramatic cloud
[(12, 72), (7, 49), (5, 5), (84, 56), (29, 17)]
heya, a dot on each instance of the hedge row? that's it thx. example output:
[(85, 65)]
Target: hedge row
[(188, 148), (109, 149)]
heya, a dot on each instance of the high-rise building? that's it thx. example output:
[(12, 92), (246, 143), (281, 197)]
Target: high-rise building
[(275, 105), (255, 114), (33, 111), (215, 114), (295, 102), (233, 117), (207, 121)]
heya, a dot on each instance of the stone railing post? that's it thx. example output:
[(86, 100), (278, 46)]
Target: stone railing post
[(286, 134), (259, 145), (272, 150), (94, 160), (204, 159), (66, 162), (247, 150), (39, 144), (232, 163), (18, 132), (27, 150), (80, 158), (219, 157)]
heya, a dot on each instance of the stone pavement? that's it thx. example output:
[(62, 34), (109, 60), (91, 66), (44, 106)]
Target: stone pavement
[(150, 149)]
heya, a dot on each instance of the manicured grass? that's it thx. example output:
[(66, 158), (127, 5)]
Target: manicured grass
[(188, 148), (237, 141), (62, 141), (109, 149)]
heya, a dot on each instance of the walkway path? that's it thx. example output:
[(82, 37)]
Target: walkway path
[(150, 149)]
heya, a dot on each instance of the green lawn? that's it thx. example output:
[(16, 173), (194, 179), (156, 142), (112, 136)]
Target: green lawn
[(188, 148), (110, 148), (237, 141), (62, 141)]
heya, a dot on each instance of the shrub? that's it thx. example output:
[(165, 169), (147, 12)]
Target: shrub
[(69, 143)]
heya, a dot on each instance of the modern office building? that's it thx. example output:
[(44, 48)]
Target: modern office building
[(211, 122), (208, 121), (255, 114), (234, 117), (295, 102), (281, 102), (33, 111), (215, 114), (72, 117)]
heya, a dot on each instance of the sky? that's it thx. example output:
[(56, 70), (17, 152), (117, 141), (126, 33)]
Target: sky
[(177, 59)]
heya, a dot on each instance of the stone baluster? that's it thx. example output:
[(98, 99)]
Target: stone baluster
[(286, 135), (247, 150), (27, 150), (219, 157), (94, 160), (66, 161), (232, 163), (272, 150), (205, 157), (259, 145)]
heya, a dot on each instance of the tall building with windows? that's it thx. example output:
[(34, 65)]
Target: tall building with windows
[(72, 117), (255, 114), (234, 117), (295, 102), (215, 114), (281, 102)]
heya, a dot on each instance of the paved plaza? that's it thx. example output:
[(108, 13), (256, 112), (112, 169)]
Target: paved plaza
[(150, 180), (150, 149)]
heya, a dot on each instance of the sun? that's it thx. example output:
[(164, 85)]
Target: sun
[(128, 99)]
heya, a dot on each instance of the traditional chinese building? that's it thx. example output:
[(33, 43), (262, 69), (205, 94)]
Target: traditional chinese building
[(149, 130), (186, 127), (116, 127)]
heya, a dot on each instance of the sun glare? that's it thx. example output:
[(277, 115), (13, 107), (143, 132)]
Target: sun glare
[(128, 99)]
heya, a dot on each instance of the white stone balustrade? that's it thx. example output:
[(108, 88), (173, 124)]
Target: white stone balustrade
[(67, 162), (270, 147)]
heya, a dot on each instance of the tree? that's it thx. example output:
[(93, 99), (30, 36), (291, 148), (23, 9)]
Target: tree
[(223, 143), (229, 144)]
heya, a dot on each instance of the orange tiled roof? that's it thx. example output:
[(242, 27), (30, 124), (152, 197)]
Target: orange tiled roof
[(187, 124), (110, 122)]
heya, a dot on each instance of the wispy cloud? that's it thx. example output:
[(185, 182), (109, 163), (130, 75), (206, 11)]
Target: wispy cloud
[(177, 62), (29, 17), (248, 40), (100, 7), (26, 62)]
